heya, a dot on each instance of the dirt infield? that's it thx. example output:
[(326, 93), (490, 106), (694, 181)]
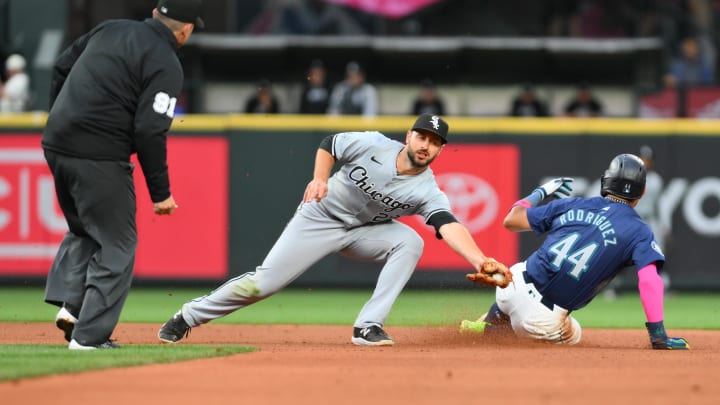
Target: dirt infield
[(318, 365)]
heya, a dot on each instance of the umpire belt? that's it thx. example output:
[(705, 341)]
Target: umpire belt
[(543, 300)]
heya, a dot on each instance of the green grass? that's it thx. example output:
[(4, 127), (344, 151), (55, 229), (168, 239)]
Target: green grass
[(340, 307), (23, 361), (302, 306)]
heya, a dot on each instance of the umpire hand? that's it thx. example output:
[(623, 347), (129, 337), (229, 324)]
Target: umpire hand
[(166, 207)]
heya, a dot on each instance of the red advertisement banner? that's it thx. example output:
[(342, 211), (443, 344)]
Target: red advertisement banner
[(480, 195), (700, 102), (31, 224), (663, 104), (703, 102), (192, 243)]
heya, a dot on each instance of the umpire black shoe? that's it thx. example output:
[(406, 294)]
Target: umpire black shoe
[(371, 336), (174, 329)]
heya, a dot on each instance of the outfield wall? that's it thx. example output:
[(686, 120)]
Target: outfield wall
[(238, 180)]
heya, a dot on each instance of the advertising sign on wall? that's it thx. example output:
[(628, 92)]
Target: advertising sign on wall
[(31, 224), (491, 165), (480, 195), (699, 102), (192, 243), (703, 102), (662, 104)]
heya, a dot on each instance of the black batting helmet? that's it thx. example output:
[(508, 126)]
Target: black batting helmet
[(625, 178)]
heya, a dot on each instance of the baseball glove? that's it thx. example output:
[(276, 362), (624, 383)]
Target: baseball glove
[(492, 273)]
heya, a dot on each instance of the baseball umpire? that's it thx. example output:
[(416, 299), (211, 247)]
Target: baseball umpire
[(589, 240), (353, 212), (113, 94)]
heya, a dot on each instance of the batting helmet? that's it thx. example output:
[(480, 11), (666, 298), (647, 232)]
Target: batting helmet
[(625, 178)]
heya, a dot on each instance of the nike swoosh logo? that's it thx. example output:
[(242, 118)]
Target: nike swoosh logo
[(375, 160)]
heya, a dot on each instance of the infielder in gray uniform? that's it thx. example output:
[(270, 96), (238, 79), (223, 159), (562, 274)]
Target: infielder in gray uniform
[(353, 212)]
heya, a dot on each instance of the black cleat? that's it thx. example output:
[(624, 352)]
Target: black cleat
[(371, 336), (174, 329)]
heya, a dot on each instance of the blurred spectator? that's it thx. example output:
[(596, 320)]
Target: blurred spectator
[(316, 92), (692, 67), (584, 103), (263, 101), (649, 208), (428, 101), (527, 104), (649, 211), (354, 96), (15, 93)]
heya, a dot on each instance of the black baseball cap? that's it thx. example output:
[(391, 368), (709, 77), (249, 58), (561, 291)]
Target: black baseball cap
[(187, 11), (432, 123)]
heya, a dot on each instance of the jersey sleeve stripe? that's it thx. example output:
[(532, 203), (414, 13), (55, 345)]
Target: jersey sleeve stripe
[(431, 213)]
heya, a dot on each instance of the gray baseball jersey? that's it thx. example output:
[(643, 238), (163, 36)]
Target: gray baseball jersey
[(366, 190)]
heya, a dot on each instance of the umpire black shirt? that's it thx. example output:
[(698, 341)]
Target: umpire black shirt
[(113, 93)]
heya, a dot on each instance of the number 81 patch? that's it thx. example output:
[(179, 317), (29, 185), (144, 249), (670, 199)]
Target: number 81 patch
[(164, 104)]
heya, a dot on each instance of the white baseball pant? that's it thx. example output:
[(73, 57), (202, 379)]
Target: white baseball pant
[(532, 318)]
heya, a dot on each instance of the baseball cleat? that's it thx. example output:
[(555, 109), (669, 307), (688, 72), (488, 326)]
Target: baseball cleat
[(174, 329), (468, 326), (371, 336), (65, 321), (109, 344)]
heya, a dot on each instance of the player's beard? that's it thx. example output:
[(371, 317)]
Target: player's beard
[(415, 163)]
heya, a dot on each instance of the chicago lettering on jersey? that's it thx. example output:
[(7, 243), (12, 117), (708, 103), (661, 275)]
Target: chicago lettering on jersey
[(359, 177), (603, 225)]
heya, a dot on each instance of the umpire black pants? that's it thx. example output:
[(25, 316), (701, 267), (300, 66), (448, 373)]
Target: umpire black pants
[(93, 267)]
